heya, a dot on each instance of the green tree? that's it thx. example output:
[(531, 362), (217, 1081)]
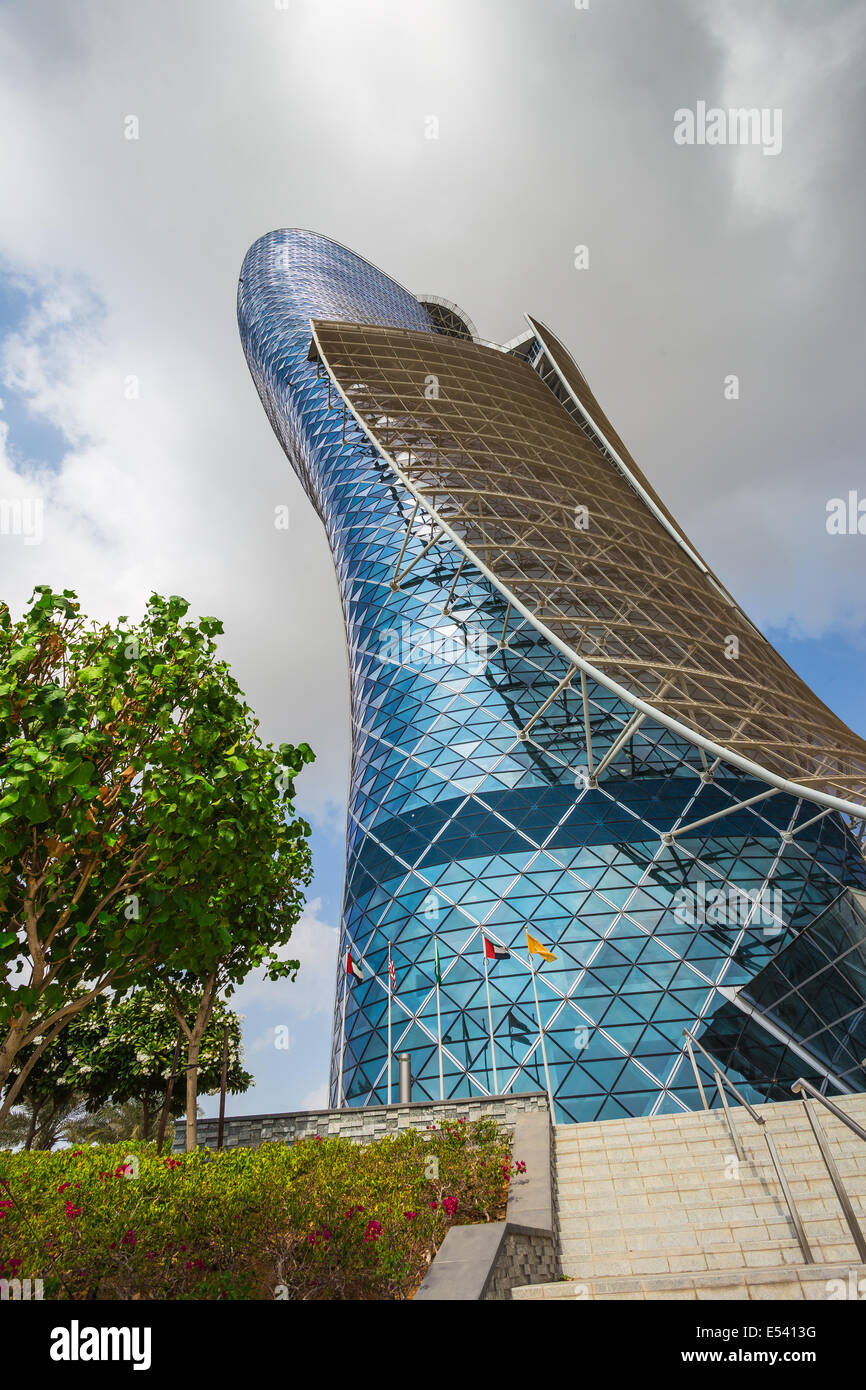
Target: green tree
[(49, 1096), (215, 966), (115, 1059), (127, 1055), (138, 809)]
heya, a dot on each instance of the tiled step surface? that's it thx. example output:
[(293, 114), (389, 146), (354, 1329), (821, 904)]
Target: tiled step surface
[(795, 1282), (665, 1198)]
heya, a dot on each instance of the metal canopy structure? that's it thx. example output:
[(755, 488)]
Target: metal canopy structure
[(553, 510)]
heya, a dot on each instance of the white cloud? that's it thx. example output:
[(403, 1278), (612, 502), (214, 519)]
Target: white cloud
[(316, 1099), (314, 943)]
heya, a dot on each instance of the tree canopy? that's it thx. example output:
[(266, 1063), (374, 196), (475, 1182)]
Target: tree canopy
[(144, 826)]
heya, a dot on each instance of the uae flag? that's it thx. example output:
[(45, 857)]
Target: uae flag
[(352, 968), (494, 952)]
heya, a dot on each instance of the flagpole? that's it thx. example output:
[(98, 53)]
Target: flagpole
[(342, 1039), (437, 972), (390, 1054), (543, 1049), (490, 1024)]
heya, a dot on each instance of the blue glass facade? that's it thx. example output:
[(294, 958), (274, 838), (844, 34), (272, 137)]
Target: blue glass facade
[(458, 828)]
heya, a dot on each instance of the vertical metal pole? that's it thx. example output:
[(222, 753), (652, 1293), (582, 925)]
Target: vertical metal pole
[(439, 1023), (789, 1199), (543, 1049), (446, 611), (738, 1148), (223, 1079), (695, 1070), (490, 1026), (502, 642), (838, 1185), (405, 1078), (585, 701)]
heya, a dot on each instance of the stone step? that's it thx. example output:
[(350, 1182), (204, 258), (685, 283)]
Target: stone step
[(762, 1255), (837, 1282)]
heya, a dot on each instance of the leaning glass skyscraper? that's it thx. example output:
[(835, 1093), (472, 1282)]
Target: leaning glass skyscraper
[(565, 731)]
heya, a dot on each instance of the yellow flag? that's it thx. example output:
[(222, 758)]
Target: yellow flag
[(537, 948)]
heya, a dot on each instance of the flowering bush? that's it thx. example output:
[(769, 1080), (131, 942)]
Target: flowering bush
[(322, 1219)]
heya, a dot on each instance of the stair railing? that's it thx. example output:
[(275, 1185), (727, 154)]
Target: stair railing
[(806, 1091), (722, 1080)]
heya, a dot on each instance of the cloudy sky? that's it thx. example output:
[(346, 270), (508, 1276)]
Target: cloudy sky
[(120, 257)]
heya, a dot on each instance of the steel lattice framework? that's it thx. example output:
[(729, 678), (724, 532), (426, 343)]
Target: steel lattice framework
[(501, 465), (547, 731)]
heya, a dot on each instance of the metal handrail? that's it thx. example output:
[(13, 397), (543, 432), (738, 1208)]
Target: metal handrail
[(803, 1085), (806, 1091), (723, 1080)]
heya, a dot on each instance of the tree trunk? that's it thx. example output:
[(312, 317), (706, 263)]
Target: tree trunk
[(145, 1119), (34, 1118), (7, 1056), (47, 1134), (8, 1052), (166, 1105), (193, 1050)]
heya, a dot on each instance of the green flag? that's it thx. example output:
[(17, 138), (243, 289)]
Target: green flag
[(436, 970)]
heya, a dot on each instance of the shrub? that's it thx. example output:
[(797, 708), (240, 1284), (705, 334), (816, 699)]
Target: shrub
[(320, 1219)]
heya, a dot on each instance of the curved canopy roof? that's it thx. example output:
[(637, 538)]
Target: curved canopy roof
[(549, 504)]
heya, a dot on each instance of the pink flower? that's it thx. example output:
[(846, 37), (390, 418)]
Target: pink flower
[(449, 1205), (129, 1239), (72, 1210), (373, 1232), (433, 1206), (63, 1186), (409, 1215)]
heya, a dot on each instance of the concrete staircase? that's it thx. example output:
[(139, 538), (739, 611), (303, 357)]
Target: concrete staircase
[(661, 1208)]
